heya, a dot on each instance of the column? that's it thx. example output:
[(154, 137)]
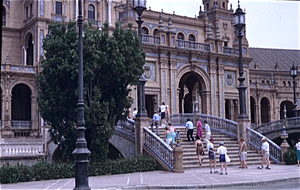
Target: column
[(109, 12)]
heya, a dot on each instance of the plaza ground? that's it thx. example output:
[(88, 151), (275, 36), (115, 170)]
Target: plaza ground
[(190, 179)]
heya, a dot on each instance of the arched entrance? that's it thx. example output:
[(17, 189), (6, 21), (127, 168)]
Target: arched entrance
[(253, 110), (289, 108), (191, 85), (264, 110), (21, 103)]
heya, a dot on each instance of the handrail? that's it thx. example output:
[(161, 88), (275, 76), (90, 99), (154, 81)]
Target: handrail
[(126, 127), (21, 124), (219, 124), (13, 149), (277, 125), (254, 140), (228, 50), (159, 148)]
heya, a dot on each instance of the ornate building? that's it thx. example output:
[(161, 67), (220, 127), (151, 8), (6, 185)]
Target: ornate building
[(185, 57)]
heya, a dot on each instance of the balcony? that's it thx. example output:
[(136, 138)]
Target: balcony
[(232, 51), (59, 18), (94, 22), (149, 39), (192, 45), (18, 68), (21, 124)]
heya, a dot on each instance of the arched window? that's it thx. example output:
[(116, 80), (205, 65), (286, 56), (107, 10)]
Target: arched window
[(155, 32), (264, 110), (145, 30), (3, 17), (289, 83), (192, 38), (21, 103), (284, 83), (91, 12), (29, 50), (180, 36)]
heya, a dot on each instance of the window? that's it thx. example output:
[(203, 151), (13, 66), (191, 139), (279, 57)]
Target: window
[(192, 38), (121, 16), (26, 13), (30, 10), (58, 8), (180, 36), (91, 12), (223, 5), (155, 32), (207, 6), (3, 17), (145, 30), (225, 44)]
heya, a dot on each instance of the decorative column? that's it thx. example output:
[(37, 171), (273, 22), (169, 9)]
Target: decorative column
[(284, 145), (178, 155), (141, 117), (109, 12), (243, 119)]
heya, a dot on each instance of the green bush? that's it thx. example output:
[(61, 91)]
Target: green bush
[(290, 157), (47, 171)]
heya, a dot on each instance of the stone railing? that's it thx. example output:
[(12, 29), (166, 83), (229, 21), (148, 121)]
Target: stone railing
[(13, 149), (159, 149), (227, 50), (255, 140), (275, 126), (192, 45), (149, 39), (217, 123), (21, 124), (126, 127)]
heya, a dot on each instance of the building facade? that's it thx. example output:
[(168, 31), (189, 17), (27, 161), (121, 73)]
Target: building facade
[(185, 58)]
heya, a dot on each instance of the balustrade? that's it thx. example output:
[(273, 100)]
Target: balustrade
[(255, 140), (126, 127), (21, 124), (220, 124), (159, 148), (274, 126), (227, 50), (192, 45), (21, 148), (149, 39)]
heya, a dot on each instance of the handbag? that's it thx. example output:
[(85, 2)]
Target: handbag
[(227, 159)]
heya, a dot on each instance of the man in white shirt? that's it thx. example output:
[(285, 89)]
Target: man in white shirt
[(163, 113), (134, 113), (265, 154), (207, 131), (222, 151)]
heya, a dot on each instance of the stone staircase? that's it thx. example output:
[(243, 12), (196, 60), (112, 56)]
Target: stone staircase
[(190, 159)]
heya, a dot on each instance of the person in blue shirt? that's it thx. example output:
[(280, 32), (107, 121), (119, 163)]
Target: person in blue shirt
[(156, 119), (189, 126)]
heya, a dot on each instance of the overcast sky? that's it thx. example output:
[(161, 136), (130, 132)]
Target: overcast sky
[(269, 23)]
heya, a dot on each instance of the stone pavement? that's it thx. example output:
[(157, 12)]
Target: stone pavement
[(190, 179)]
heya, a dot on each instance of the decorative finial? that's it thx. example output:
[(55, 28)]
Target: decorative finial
[(160, 25), (238, 3), (170, 24)]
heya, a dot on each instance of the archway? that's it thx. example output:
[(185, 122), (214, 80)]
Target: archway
[(21, 103), (264, 110), (253, 110), (289, 108), (191, 85)]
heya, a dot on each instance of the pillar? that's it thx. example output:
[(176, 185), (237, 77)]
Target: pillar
[(284, 147), (178, 159)]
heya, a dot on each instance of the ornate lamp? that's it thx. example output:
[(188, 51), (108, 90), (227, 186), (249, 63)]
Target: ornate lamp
[(284, 135), (239, 24), (294, 75)]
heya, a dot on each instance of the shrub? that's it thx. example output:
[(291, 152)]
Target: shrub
[(290, 157), (47, 171)]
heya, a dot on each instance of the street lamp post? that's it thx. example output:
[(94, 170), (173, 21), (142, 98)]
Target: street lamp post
[(139, 8), (81, 153), (294, 75), (239, 24)]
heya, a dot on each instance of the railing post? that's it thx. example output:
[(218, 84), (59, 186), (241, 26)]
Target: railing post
[(178, 159), (140, 123)]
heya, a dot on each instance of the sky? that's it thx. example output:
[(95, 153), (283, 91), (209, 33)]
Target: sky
[(269, 23)]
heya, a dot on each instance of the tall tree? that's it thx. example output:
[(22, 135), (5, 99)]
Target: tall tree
[(111, 64)]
